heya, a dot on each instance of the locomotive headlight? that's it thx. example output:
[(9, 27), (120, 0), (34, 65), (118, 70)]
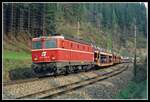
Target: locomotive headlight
[(43, 54), (35, 58)]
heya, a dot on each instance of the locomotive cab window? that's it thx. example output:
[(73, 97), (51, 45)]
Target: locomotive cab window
[(50, 43), (36, 44)]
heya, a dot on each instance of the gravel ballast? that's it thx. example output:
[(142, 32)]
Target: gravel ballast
[(105, 89)]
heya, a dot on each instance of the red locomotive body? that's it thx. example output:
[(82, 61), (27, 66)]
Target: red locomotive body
[(58, 53), (62, 50)]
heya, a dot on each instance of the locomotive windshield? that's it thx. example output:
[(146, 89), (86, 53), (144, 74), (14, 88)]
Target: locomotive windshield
[(50, 43), (37, 45)]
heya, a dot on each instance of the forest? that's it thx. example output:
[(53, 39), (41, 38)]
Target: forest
[(107, 25)]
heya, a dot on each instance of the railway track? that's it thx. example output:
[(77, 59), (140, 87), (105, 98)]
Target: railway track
[(52, 92), (26, 80)]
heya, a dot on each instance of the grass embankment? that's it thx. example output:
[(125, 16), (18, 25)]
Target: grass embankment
[(137, 87), (14, 60)]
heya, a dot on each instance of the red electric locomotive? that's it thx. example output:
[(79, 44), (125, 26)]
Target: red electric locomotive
[(56, 54), (59, 55)]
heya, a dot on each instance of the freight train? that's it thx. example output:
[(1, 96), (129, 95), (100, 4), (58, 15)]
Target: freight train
[(61, 55)]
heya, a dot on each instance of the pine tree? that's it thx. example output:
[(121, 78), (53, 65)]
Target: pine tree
[(50, 18)]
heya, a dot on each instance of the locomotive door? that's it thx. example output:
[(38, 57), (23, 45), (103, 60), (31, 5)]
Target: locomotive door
[(43, 53)]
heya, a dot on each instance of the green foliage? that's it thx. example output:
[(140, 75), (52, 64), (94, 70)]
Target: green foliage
[(137, 87), (134, 91), (141, 41), (109, 41), (116, 20), (50, 12)]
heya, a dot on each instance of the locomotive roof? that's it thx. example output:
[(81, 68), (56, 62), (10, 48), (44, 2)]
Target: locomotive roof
[(77, 40), (48, 37), (60, 36)]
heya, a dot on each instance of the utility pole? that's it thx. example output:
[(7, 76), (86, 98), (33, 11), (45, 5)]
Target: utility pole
[(135, 50), (78, 27)]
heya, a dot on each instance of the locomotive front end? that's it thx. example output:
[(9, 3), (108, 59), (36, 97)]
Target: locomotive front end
[(43, 50), (44, 54)]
